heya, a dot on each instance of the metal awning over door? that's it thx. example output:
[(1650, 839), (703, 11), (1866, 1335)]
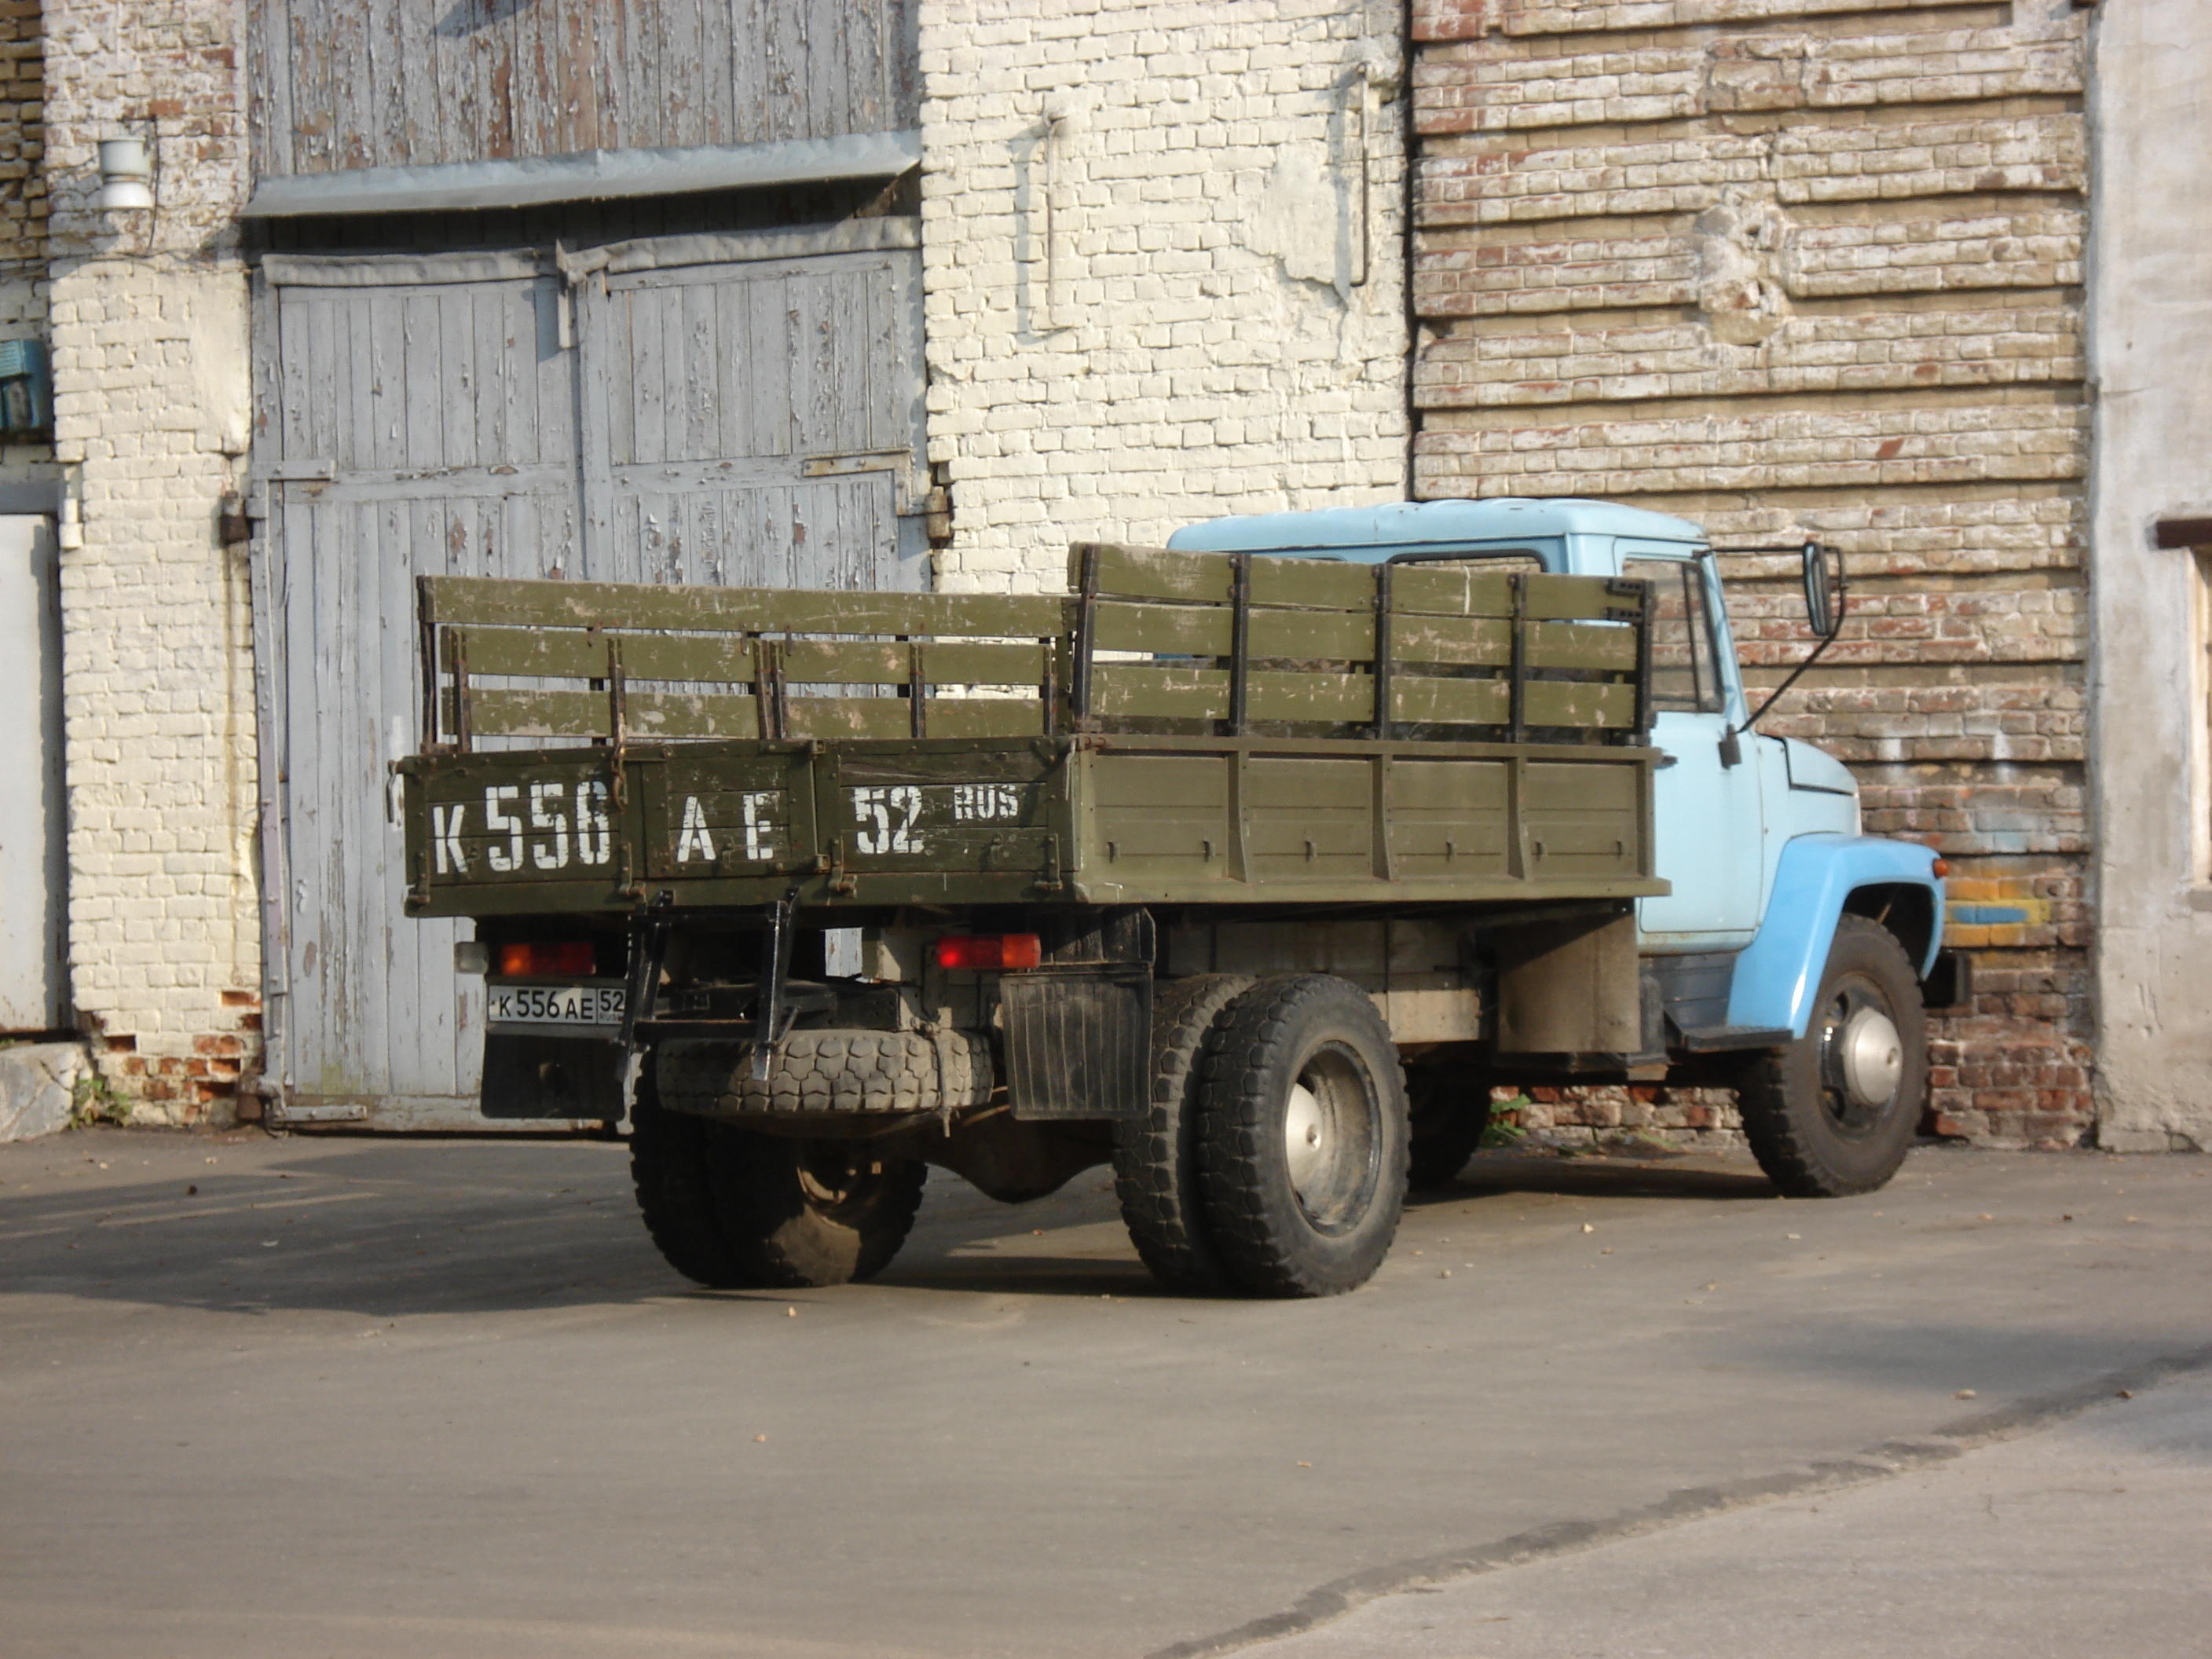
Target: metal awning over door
[(726, 411)]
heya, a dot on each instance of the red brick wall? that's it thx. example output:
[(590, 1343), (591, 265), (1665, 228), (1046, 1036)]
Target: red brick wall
[(1801, 268)]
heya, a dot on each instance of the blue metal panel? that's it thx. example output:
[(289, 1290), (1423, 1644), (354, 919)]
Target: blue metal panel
[(1777, 976), (1371, 534)]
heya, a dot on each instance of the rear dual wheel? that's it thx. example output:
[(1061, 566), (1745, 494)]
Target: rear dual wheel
[(1302, 1143)]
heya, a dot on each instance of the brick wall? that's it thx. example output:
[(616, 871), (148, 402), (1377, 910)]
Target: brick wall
[(22, 204), (151, 426), (1163, 265), (1811, 268)]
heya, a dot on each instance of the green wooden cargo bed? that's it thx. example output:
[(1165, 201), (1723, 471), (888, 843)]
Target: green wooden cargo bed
[(1180, 728)]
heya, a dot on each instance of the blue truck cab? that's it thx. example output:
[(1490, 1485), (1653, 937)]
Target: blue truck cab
[(1793, 956)]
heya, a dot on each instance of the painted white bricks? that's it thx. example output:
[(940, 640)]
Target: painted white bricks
[(1163, 269), (148, 319)]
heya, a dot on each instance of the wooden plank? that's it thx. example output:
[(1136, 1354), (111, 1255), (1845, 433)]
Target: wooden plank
[(1582, 645), (1335, 636), (1453, 590), (1483, 642), (1311, 584), (1169, 630), (1422, 700), (650, 714), (1132, 692), (985, 717), (640, 605), (565, 654), (1153, 573), (1565, 597), (1576, 703)]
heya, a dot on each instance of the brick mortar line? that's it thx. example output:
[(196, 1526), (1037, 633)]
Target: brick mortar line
[(1749, 124), (1851, 24), (1884, 1460)]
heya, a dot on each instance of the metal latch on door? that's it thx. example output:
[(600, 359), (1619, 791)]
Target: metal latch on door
[(913, 493), (302, 471)]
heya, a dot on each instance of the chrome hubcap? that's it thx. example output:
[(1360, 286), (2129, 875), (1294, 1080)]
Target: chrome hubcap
[(1332, 1137), (1873, 1056), (1305, 1133)]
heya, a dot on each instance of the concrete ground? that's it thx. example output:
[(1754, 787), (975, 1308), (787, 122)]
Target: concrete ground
[(352, 1397)]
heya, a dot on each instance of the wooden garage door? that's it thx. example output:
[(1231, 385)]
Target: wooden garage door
[(672, 413)]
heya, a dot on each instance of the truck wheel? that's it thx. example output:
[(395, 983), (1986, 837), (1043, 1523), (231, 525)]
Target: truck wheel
[(737, 1211), (1302, 1140), (803, 1212), (1156, 1156), (1450, 1112), (669, 1159), (1832, 1114)]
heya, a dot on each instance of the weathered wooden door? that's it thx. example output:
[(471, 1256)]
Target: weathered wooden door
[(756, 423), (730, 422), (423, 425)]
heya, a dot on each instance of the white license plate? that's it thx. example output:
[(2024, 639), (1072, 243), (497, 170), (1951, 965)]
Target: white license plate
[(556, 1005)]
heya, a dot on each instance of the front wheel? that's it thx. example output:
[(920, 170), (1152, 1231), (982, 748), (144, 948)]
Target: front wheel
[(1833, 1113), (1303, 1136)]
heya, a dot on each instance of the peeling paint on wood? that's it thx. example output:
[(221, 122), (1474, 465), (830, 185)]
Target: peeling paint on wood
[(421, 83)]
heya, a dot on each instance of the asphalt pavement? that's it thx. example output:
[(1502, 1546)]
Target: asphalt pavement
[(349, 1397)]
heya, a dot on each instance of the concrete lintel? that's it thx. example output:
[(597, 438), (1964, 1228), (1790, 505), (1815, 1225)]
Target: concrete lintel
[(586, 175)]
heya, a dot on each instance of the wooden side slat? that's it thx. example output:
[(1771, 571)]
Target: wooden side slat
[(1567, 702), (548, 714), (1152, 572), (1331, 635), (1417, 699), (1566, 598), (985, 717), (1452, 590), (1191, 630), (1472, 642), (467, 601), (1582, 645), (567, 653), (1314, 584)]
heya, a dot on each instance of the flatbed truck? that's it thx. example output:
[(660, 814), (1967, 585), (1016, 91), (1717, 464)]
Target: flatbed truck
[(1251, 865)]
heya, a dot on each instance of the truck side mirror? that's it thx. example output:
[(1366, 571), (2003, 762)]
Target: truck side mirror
[(1823, 590)]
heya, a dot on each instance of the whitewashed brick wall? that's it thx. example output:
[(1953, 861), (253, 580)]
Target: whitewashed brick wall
[(150, 373), (1142, 252)]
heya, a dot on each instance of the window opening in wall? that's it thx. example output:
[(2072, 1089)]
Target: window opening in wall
[(1683, 677)]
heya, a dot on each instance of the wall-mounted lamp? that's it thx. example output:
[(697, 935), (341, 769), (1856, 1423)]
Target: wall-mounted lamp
[(126, 175)]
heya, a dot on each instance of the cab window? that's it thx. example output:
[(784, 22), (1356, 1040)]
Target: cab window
[(1683, 677)]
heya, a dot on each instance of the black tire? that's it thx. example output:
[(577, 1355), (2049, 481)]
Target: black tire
[(1319, 1226), (1834, 1113), (798, 1213), (1450, 1113), (1156, 1156), (735, 1210), (669, 1163)]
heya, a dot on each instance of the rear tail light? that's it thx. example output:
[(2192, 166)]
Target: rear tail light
[(990, 951), (524, 961), (1942, 868)]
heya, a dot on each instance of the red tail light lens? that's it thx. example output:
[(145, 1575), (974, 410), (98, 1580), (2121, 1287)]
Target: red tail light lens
[(1942, 868), (523, 961), (990, 952)]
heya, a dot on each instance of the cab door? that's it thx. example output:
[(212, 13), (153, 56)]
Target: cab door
[(1707, 816)]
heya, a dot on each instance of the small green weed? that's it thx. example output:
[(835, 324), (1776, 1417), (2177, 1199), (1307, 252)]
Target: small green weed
[(93, 1100)]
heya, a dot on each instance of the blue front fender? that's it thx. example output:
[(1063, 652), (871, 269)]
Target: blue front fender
[(1780, 970)]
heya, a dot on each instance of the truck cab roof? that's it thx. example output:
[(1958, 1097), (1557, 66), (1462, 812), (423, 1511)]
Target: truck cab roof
[(1571, 535)]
